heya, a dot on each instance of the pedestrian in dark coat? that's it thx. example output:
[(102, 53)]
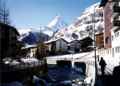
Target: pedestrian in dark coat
[(103, 65)]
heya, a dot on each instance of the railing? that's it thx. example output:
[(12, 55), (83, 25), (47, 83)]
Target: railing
[(88, 58), (70, 56)]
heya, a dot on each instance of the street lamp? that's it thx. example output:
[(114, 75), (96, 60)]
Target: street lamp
[(94, 43)]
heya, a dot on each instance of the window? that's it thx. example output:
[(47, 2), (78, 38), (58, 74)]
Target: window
[(112, 52), (116, 34), (69, 48), (118, 49), (101, 14), (107, 40), (108, 51), (112, 37)]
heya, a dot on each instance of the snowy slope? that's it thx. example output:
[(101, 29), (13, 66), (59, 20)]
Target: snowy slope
[(80, 27)]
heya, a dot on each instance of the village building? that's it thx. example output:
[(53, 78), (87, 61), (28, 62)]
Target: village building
[(57, 45), (74, 46), (111, 50), (115, 31), (30, 50), (9, 45)]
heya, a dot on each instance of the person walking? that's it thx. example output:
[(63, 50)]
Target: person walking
[(103, 65)]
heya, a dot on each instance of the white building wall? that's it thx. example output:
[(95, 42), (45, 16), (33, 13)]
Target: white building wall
[(116, 45), (112, 55), (108, 57)]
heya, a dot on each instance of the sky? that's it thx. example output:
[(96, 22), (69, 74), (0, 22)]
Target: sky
[(36, 13)]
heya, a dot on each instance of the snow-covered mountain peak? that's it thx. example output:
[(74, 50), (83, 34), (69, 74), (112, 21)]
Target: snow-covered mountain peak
[(82, 26), (53, 22)]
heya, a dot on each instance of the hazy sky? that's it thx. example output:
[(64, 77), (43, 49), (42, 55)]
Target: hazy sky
[(34, 13)]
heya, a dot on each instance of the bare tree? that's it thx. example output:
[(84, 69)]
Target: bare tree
[(4, 12)]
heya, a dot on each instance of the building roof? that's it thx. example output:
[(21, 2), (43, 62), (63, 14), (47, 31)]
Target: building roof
[(87, 38), (50, 41), (67, 40), (54, 40)]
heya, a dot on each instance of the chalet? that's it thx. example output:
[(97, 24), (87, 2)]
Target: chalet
[(86, 44), (56, 45), (30, 50)]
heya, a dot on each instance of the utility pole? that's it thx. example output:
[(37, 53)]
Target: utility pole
[(40, 36)]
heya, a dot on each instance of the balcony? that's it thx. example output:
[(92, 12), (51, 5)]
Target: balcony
[(116, 22), (116, 7), (116, 17), (117, 29)]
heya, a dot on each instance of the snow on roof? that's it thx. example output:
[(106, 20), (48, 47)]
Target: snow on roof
[(29, 46), (48, 32), (50, 41), (29, 60), (67, 39)]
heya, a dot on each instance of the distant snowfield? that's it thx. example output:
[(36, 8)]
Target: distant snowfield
[(24, 31)]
